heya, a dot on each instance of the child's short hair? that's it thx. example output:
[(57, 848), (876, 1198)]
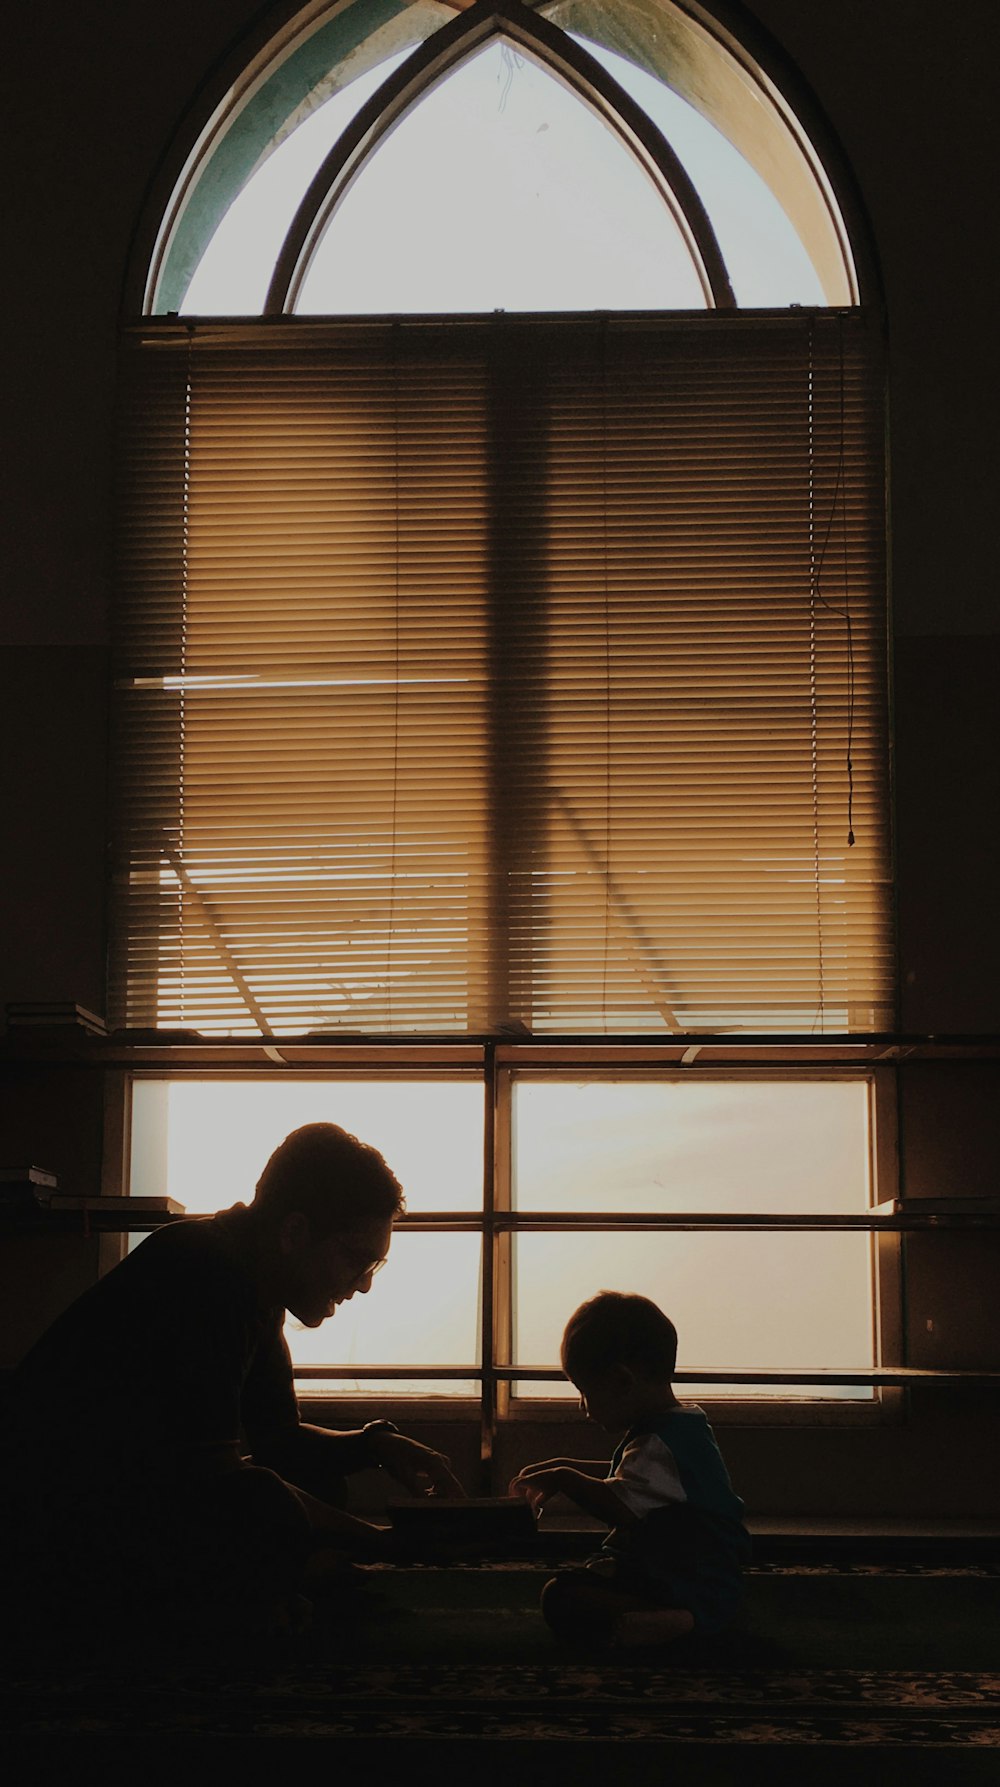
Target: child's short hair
[(617, 1328)]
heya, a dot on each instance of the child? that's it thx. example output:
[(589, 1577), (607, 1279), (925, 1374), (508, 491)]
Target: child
[(671, 1562)]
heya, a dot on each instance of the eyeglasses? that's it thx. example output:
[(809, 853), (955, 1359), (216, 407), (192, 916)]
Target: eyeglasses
[(364, 1268)]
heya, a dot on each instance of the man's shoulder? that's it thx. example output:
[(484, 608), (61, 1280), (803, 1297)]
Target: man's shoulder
[(196, 1234), (200, 1245)]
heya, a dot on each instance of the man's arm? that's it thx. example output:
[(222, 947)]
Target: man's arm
[(312, 1458), (316, 1460)]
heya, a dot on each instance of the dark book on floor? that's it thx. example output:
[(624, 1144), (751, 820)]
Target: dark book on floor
[(483, 1523)]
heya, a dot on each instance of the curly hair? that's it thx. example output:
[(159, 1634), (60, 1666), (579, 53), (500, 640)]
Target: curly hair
[(618, 1328)]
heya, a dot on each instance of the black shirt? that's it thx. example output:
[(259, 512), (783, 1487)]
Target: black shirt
[(166, 1370)]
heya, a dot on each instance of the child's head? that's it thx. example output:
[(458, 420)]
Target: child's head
[(620, 1351)]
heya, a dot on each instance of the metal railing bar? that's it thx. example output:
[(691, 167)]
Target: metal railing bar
[(860, 1045), (446, 1222), (527, 1222), (875, 1377), (444, 1372)]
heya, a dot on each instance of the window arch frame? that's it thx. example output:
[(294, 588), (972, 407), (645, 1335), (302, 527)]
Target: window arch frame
[(432, 63), (184, 186)]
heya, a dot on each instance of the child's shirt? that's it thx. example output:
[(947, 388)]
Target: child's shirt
[(661, 1468), (674, 1459)]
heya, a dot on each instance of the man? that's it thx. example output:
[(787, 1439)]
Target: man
[(159, 1469)]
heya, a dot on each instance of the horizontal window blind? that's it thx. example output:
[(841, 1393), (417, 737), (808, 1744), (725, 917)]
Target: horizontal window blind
[(502, 675)]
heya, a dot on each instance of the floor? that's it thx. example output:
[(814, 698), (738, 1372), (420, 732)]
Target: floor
[(846, 1667)]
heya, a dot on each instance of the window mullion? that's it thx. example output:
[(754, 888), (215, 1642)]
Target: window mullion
[(503, 1239), (518, 698), (488, 1350)]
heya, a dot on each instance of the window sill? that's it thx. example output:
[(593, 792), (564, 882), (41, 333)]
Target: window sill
[(885, 1407)]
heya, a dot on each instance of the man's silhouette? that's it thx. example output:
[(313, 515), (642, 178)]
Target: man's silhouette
[(159, 1471)]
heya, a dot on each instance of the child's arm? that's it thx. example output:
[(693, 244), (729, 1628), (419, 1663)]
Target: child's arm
[(540, 1482), (530, 1482), (588, 1467)]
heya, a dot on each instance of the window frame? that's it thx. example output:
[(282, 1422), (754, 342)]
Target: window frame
[(720, 61), (774, 1057), (495, 1408)]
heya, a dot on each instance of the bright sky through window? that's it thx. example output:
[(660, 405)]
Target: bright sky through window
[(763, 1301), (747, 1146), (205, 1143), (502, 189)]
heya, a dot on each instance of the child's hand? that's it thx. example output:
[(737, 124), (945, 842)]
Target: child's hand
[(521, 1487), (537, 1483)]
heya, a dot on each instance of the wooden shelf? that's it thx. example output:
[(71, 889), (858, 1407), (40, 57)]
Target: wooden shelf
[(188, 1052), (62, 1213)]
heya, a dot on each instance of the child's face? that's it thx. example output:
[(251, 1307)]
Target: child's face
[(606, 1398)]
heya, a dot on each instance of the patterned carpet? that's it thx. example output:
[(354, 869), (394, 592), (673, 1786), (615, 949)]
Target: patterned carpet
[(849, 1662), (542, 1704)]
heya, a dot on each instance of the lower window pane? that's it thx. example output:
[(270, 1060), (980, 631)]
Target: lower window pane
[(423, 1309), (205, 1143), (741, 1300)]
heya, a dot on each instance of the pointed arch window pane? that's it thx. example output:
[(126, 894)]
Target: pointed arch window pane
[(764, 255), (501, 190), (233, 275)]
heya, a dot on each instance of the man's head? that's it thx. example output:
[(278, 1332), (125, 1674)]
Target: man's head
[(620, 1351), (330, 1202)]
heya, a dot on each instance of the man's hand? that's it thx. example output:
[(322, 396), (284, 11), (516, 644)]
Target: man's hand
[(419, 1469)]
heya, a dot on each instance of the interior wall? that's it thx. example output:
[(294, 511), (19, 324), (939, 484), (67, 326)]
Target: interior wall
[(95, 102)]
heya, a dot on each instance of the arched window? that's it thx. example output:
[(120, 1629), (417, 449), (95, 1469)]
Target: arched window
[(684, 101), (501, 653)]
